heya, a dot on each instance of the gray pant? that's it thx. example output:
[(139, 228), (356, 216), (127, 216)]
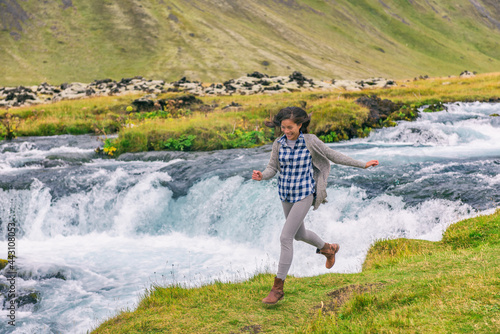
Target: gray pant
[(294, 229)]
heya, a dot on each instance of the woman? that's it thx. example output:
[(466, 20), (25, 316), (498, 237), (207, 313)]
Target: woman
[(303, 161)]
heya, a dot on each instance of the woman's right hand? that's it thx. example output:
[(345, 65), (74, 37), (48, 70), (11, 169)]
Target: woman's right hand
[(257, 175), (371, 163)]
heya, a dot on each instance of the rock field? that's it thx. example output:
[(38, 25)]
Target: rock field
[(253, 83)]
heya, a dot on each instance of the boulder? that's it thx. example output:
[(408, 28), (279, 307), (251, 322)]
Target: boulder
[(379, 109), (257, 75), (100, 82), (144, 104), (467, 74), (180, 102), (181, 81), (76, 88), (231, 105), (347, 85), (300, 79), (26, 297), (276, 87)]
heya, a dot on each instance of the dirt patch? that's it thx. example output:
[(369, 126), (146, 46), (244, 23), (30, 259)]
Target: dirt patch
[(335, 299), (252, 329)]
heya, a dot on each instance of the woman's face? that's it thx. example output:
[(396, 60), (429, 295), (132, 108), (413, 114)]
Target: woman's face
[(290, 129)]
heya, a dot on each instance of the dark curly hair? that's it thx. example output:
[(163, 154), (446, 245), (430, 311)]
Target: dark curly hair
[(295, 114)]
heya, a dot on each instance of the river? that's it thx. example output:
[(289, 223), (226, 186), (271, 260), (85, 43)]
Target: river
[(93, 234)]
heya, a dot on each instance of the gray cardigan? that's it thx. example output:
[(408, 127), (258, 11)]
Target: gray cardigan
[(321, 157)]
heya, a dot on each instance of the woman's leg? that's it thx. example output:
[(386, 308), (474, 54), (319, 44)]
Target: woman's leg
[(309, 236), (303, 234), (295, 214)]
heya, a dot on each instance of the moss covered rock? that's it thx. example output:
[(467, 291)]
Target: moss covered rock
[(3, 263)]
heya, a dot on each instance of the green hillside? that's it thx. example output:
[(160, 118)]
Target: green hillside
[(76, 40)]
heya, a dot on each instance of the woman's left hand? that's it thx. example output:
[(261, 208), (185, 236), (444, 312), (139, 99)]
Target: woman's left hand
[(257, 175), (371, 163)]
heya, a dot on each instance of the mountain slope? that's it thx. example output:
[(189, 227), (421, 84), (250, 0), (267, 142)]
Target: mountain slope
[(76, 40)]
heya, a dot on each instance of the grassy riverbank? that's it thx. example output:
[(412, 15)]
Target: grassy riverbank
[(208, 125), (406, 286)]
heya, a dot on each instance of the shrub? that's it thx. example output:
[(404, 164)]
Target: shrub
[(183, 143), (8, 127)]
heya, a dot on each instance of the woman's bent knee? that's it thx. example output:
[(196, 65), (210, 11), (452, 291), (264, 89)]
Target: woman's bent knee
[(286, 240)]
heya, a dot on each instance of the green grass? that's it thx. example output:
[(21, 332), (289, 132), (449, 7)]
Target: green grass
[(406, 286), (214, 42), (336, 115)]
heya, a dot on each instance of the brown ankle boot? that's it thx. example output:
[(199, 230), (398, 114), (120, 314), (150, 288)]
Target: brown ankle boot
[(276, 292), (329, 251)]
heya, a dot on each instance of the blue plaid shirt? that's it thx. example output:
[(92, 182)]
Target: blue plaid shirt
[(296, 177)]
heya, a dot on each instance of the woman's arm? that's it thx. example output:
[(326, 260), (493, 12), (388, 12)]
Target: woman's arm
[(342, 159), (338, 157), (272, 167)]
